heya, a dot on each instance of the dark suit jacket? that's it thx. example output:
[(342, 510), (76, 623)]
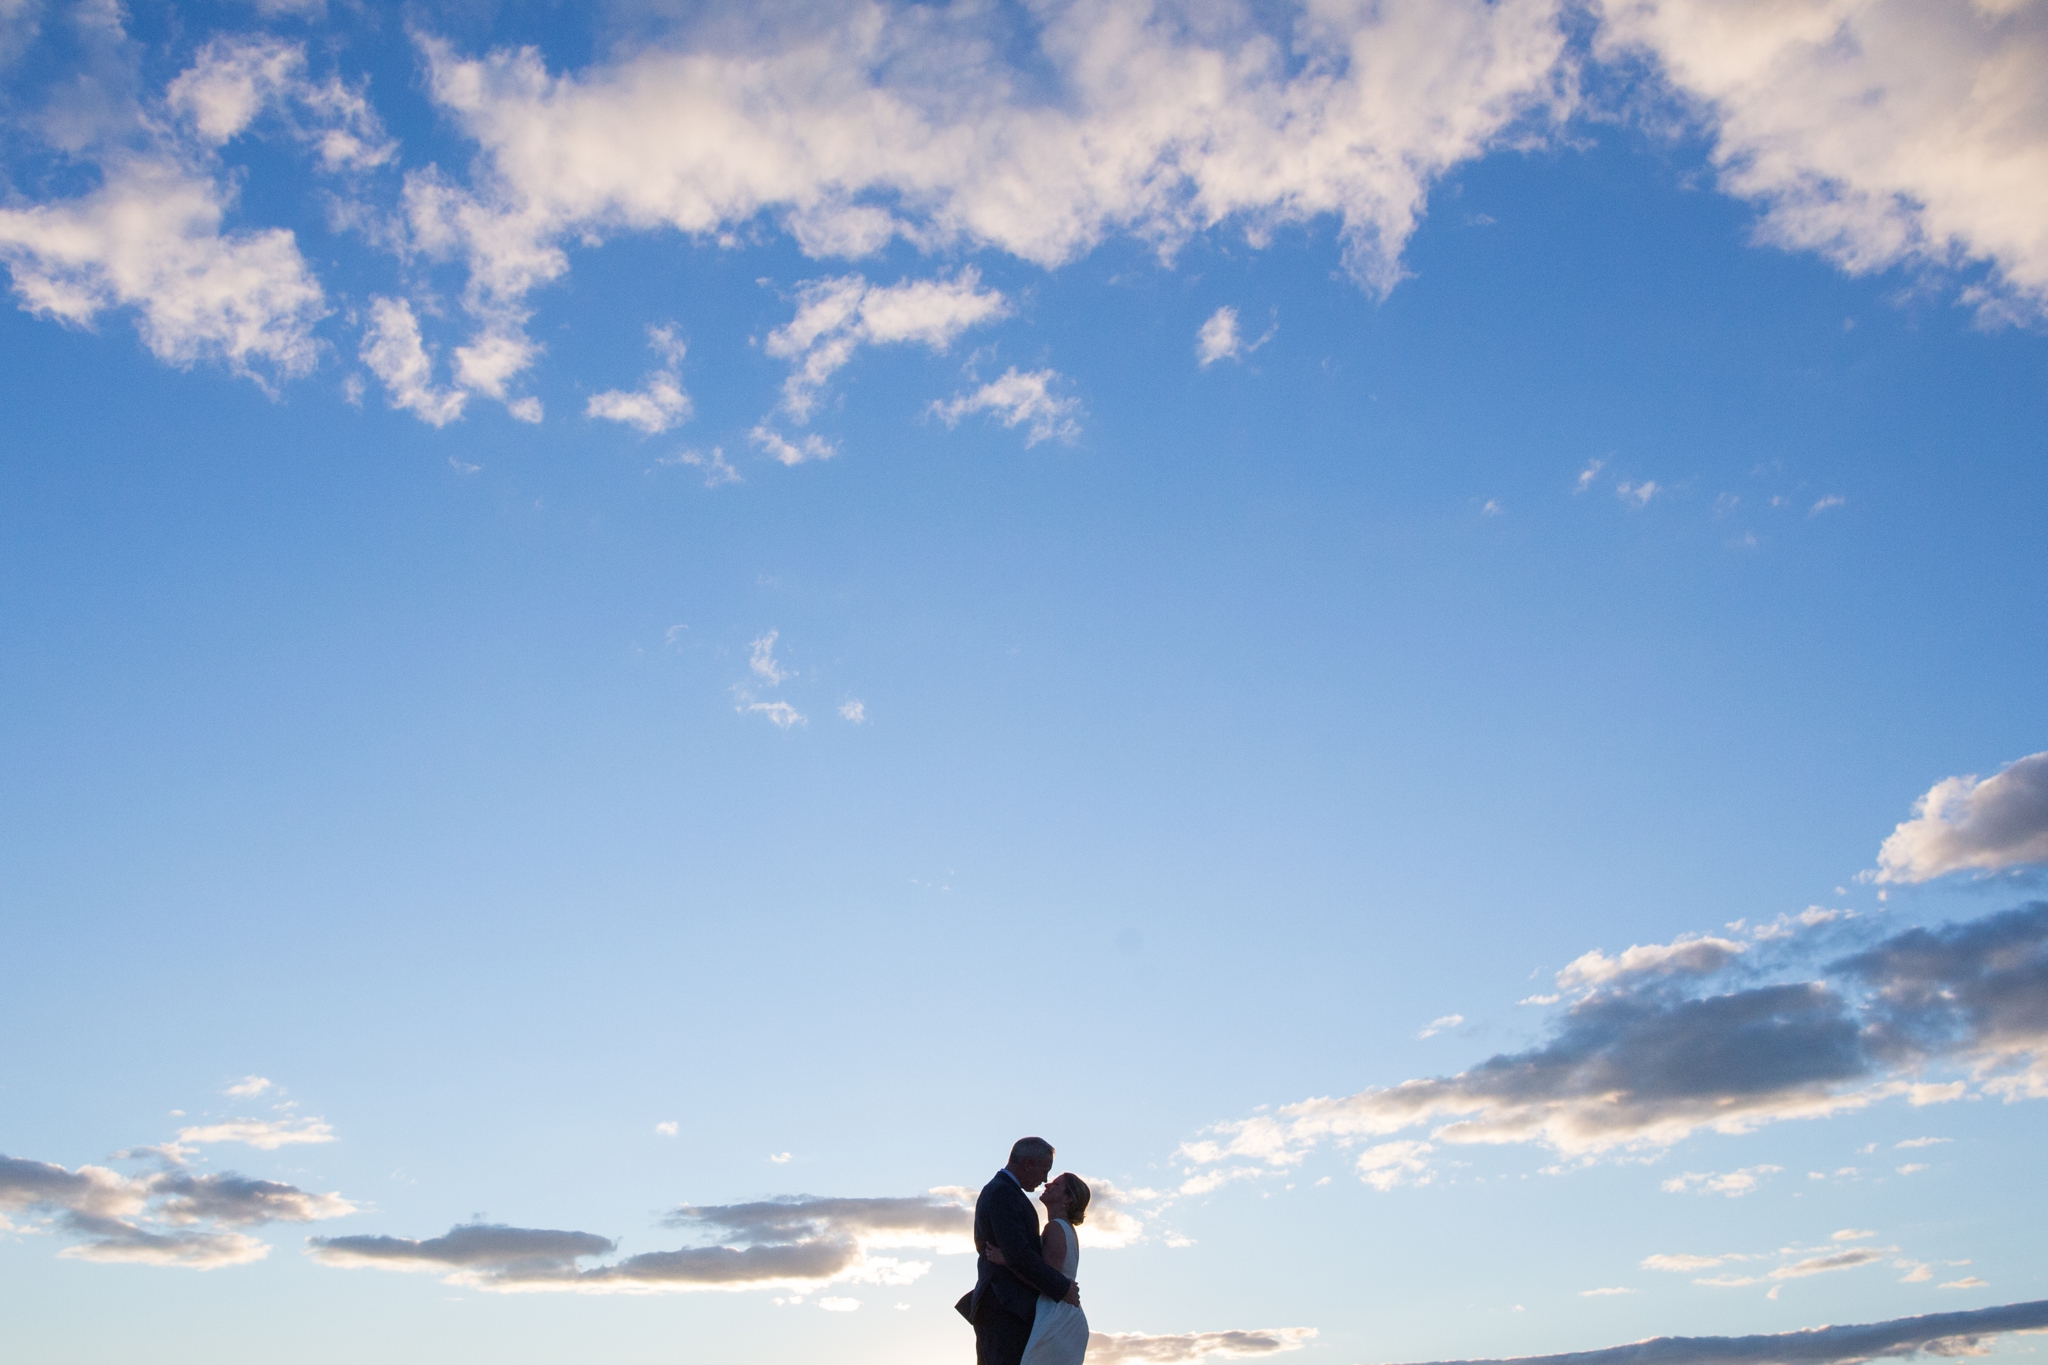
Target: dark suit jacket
[(1004, 1216)]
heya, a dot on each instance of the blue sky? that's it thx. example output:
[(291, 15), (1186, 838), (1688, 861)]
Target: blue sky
[(633, 639)]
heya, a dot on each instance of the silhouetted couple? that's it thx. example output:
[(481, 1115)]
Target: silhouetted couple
[(1025, 1306)]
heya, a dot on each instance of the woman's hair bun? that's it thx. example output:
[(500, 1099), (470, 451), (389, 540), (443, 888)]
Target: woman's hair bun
[(1077, 1197)]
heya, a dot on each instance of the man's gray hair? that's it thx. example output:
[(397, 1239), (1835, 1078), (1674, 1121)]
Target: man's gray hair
[(1029, 1149)]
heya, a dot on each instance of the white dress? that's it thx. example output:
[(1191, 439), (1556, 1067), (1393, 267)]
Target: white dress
[(1059, 1334)]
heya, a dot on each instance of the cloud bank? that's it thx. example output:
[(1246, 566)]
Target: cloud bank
[(800, 1242), (1937, 1334), (157, 1219), (1879, 134), (1650, 1054)]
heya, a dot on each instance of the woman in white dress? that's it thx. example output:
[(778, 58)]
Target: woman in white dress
[(1059, 1334)]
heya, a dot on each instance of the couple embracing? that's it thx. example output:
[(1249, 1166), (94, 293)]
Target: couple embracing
[(1025, 1306)]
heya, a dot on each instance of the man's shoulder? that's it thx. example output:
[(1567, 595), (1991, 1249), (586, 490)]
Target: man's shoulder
[(998, 1184)]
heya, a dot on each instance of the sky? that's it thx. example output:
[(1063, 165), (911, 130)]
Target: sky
[(634, 635)]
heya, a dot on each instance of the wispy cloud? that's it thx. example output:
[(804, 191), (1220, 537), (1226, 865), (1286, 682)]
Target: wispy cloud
[(717, 473), (393, 351), (784, 451), (836, 317), (1139, 1348), (265, 1134), (780, 714), (761, 659), (659, 403), (1436, 1026), (1734, 1184), (1019, 399)]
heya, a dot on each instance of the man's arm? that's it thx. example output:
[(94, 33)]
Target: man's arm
[(1013, 1230)]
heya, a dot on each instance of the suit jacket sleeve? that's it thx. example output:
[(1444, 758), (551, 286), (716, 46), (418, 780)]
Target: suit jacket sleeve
[(1013, 1229)]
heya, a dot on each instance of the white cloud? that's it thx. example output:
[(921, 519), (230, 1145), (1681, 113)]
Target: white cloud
[(1165, 129), (656, 406), (1910, 1167), (1139, 1348), (1851, 1235), (855, 711), (836, 1305), (394, 353), (1018, 398), (1603, 1293), (666, 1129), (1436, 1026), (264, 1134), (1638, 493), (659, 403), (1734, 1184), (1219, 338), (150, 237), (780, 1158), (1967, 1282), (1693, 955), (1588, 474), (1964, 824), (234, 80), (1880, 133), (1921, 1142), (1830, 501), (248, 1086), (835, 317)]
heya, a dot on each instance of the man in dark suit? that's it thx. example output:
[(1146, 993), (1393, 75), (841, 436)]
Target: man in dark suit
[(1005, 1297)]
